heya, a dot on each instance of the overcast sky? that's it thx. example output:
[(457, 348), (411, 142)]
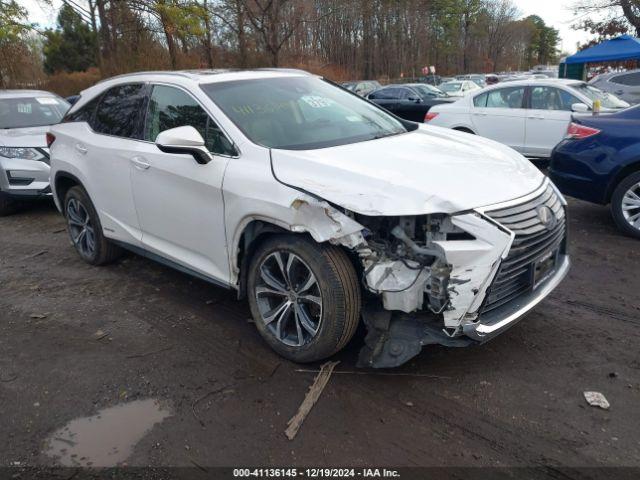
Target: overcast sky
[(554, 12), (558, 14)]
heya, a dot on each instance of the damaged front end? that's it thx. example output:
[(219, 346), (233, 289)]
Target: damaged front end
[(427, 272), (429, 276)]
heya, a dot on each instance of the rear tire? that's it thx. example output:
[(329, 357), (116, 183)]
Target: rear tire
[(85, 230), (625, 205), (8, 205), (304, 297)]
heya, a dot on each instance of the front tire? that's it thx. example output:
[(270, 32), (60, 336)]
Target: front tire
[(85, 230), (304, 297), (625, 205)]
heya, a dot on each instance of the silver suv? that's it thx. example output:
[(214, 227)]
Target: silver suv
[(25, 117), (625, 85)]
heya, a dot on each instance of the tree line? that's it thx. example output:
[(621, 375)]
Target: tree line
[(343, 39)]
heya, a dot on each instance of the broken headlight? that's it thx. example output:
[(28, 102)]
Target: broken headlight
[(404, 261), (410, 238)]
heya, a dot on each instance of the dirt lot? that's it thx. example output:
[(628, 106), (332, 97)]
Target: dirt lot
[(76, 339)]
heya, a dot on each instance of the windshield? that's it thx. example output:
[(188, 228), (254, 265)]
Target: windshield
[(607, 100), (299, 113), (31, 111), (450, 87)]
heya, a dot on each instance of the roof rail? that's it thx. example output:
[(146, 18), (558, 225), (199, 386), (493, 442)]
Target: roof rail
[(210, 71), (150, 72), (289, 70)]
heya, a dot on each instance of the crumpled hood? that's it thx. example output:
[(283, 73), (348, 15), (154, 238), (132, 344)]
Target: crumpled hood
[(24, 137), (429, 170)]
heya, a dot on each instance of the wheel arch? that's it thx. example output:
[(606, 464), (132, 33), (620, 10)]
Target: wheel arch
[(624, 172), (63, 181), (251, 233), (319, 222), (463, 128)]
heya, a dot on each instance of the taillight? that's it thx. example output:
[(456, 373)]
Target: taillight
[(50, 139), (429, 116), (578, 132)]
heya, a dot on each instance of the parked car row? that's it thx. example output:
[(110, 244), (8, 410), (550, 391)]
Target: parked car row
[(530, 116), (533, 116), (410, 101)]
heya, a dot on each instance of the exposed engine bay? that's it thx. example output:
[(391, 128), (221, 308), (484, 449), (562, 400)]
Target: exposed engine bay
[(404, 264), (430, 274)]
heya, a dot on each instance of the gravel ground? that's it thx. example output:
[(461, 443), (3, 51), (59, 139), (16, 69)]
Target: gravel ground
[(76, 339)]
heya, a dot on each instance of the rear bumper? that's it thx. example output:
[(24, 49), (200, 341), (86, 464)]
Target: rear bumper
[(497, 321), (582, 188), (582, 169)]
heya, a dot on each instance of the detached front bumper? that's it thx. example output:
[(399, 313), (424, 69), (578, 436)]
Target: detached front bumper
[(394, 338), (497, 321)]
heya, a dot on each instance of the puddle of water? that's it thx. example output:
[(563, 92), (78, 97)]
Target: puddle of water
[(108, 438)]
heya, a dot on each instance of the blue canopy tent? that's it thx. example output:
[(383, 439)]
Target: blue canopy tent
[(620, 48)]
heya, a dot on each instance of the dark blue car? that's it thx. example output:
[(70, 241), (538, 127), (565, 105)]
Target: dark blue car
[(599, 161)]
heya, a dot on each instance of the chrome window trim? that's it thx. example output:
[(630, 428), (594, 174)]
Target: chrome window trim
[(168, 84)]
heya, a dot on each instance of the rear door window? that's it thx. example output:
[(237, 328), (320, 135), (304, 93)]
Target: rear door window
[(390, 93), (119, 110), (629, 79), (505, 97), (84, 113), (480, 101)]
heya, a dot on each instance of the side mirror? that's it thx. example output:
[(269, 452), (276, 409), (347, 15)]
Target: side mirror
[(184, 140), (414, 99), (579, 108)]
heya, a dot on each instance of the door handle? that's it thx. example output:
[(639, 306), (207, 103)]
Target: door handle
[(139, 163), (535, 117), (81, 148)]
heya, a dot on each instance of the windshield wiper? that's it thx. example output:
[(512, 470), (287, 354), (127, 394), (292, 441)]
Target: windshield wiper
[(383, 135)]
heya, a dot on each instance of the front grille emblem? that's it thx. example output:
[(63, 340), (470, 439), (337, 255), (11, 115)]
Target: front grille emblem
[(547, 217)]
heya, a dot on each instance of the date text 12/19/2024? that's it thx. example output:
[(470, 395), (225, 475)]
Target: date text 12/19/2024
[(315, 473)]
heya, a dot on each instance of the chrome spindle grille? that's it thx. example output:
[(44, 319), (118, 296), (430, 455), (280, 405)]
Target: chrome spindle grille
[(535, 239)]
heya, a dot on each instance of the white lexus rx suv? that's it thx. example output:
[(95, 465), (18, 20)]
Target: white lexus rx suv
[(319, 207)]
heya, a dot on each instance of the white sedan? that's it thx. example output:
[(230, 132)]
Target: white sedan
[(459, 88), (530, 116)]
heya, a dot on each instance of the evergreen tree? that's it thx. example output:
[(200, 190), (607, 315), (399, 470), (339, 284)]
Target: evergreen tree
[(71, 46)]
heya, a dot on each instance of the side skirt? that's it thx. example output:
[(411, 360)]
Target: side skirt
[(171, 264)]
